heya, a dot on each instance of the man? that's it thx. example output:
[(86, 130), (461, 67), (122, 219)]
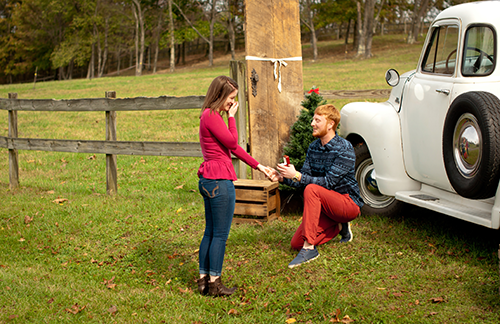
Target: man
[(331, 194)]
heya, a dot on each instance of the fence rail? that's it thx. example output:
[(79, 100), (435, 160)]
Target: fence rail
[(103, 104), (111, 147)]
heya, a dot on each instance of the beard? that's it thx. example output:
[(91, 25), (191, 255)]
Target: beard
[(319, 132)]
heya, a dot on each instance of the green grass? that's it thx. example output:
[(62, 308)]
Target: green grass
[(132, 258)]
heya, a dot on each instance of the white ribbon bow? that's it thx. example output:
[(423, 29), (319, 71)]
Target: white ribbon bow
[(277, 65)]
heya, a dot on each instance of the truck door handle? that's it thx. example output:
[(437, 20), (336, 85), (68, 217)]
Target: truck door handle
[(443, 91)]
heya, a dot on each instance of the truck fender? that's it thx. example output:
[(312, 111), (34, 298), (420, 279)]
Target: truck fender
[(378, 125)]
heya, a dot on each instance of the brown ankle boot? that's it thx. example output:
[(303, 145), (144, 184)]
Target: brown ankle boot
[(216, 288), (203, 285)]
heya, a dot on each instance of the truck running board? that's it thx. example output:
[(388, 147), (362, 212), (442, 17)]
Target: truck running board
[(475, 211)]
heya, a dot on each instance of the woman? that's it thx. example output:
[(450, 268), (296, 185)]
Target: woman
[(216, 175)]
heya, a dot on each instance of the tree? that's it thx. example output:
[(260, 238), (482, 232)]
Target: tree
[(139, 12), (172, 36), (365, 27), (41, 27), (301, 131), (308, 20), (420, 8), (8, 40)]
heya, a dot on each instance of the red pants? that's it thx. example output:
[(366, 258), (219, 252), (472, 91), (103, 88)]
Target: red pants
[(323, 211)]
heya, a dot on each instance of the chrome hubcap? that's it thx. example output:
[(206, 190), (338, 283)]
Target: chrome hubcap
[(467, 145), (368, 186)]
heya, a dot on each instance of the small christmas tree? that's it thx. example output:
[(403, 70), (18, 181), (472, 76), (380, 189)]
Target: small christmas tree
[(301, 131)]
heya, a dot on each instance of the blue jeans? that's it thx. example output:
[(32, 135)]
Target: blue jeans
[(220, 198)]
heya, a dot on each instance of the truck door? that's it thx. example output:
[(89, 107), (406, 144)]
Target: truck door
[(425, 103)]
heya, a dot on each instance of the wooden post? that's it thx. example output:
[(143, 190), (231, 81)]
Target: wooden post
[(272, 31), (111, 164), (237, 73), (13, 155)]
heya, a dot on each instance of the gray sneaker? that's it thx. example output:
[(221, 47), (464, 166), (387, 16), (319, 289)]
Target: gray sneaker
[(345, 233), (304, 256)]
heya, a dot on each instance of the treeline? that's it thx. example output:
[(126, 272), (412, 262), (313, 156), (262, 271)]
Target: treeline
[(62, 39)]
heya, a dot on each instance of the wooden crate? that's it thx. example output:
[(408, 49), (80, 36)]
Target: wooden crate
[(257, 200)]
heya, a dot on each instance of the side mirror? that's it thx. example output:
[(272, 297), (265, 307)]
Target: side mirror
[(392, 77)]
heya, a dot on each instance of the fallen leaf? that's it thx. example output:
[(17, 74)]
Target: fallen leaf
[(184, 290), (290, 320), (346, 319), (51, 192), (232, 311), (397, 294), (75, 309), (437, 300), (13, 316), (179, 210), (179, 187), (112, 310), (22, 239), (92, 157), (27, 219), (59, 200)]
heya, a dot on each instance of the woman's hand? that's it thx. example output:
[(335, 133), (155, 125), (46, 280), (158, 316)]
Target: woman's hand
[(266, 170), (233, 109), (275, 176)]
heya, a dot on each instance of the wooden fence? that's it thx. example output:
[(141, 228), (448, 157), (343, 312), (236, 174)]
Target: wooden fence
[(110, 146)]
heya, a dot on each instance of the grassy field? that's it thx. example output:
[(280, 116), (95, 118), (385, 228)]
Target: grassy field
[(71, 254)]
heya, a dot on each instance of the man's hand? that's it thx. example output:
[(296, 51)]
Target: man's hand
[(287, 171)]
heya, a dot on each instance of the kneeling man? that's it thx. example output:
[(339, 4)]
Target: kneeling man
[(331, 194)]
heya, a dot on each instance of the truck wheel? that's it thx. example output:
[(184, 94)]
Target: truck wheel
[(471, 145), (375, 202)]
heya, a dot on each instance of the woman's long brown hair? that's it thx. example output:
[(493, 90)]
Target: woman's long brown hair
[(220, 88)]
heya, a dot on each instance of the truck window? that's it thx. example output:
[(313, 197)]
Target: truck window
[(441, 53), (479, 51)]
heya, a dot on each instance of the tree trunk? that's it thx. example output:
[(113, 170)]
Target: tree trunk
[(157, 43), (211, 43), (139, 26), (313, 31), (348, 31), (232, 38), (365, 28), (105, 54), (172, 37), (118, 60), (136, 43), (361, 49), (90, 73), (368, 29), (419, 9)]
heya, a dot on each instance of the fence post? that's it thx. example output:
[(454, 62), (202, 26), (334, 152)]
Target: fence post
[(111, 165), (13, 155), (237, 71)]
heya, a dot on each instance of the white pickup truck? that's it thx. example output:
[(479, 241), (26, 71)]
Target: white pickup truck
[(435, 142)]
